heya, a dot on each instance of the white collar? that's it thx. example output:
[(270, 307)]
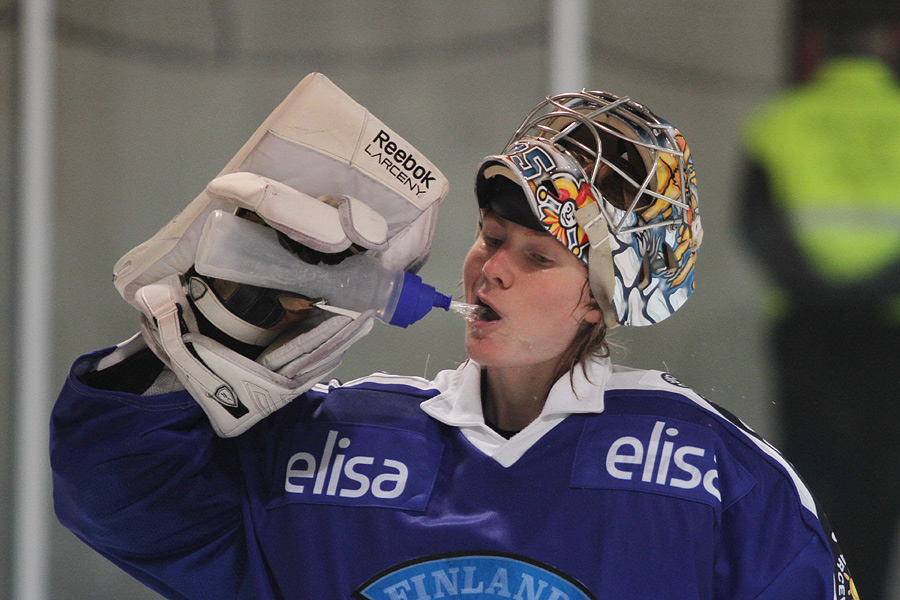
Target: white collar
[(459, 405)]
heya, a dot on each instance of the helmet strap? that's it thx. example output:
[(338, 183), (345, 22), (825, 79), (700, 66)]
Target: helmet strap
[(601, 274)]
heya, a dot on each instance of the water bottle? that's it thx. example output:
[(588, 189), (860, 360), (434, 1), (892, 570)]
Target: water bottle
[(239, 250)]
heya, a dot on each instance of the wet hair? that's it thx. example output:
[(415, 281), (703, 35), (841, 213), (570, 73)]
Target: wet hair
[(590, 342)]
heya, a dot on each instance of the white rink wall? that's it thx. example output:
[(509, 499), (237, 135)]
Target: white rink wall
[(155, 96)]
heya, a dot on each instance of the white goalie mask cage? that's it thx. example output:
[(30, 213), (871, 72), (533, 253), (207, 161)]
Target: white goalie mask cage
[(616, 185)]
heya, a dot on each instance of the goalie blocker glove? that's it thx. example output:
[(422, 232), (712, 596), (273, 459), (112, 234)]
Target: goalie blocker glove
[(332, 180)]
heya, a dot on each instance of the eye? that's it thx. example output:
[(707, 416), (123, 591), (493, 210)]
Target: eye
[(541, 259), (492, 241)]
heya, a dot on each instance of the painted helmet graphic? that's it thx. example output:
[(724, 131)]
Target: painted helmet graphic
[(613, 183)]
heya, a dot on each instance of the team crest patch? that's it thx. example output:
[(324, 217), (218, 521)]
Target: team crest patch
[(473, 576)]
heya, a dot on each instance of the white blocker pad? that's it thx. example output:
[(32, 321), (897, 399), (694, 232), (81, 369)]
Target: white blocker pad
[(318, 141)]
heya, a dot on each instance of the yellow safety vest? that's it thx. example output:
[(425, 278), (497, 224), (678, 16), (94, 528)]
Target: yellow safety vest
[(832, 153), (831, 149)]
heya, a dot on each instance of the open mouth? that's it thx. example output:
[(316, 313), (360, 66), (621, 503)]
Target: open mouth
[(485, 312)]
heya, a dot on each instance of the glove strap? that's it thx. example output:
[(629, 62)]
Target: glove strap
[(236, 392), (208, 303), (165, 311)]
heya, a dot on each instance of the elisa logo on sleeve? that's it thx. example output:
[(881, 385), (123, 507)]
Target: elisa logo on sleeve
[(355, 465), (658, 456), (473, 576)]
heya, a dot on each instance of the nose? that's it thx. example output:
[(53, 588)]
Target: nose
[(498, 269)]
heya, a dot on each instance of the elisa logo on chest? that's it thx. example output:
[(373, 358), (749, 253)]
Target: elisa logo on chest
[(355, 465), (659, 461), (651, 455)]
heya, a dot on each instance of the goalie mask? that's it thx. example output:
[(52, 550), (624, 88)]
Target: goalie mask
[(615, 185)]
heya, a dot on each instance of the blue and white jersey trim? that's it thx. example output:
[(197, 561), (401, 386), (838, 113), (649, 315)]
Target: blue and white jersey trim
[(381, 379)]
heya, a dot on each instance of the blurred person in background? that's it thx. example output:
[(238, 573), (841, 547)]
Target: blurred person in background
[(821, 212)]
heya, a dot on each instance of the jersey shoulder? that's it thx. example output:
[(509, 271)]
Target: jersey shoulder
[(662, 396), (377, 399), (775, 492)]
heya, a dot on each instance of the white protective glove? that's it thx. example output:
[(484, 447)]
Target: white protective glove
[(327, 174)]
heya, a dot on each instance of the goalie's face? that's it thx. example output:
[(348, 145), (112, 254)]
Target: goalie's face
[(535, 292)]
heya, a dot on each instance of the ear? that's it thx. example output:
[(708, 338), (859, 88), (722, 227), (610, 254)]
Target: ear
[(594, 314)]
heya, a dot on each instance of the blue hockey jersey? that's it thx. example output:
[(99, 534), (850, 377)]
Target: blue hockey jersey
[(628, 486)]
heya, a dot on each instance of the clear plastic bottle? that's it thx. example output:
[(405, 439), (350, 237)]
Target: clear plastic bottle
[(239, 250)]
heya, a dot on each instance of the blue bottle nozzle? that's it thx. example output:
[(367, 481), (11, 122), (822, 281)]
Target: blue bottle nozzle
[(416, 300)]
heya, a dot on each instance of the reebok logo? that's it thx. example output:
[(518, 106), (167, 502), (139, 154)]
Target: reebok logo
[(659, 461), (400, 163), (352, 477), (356, 465)]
